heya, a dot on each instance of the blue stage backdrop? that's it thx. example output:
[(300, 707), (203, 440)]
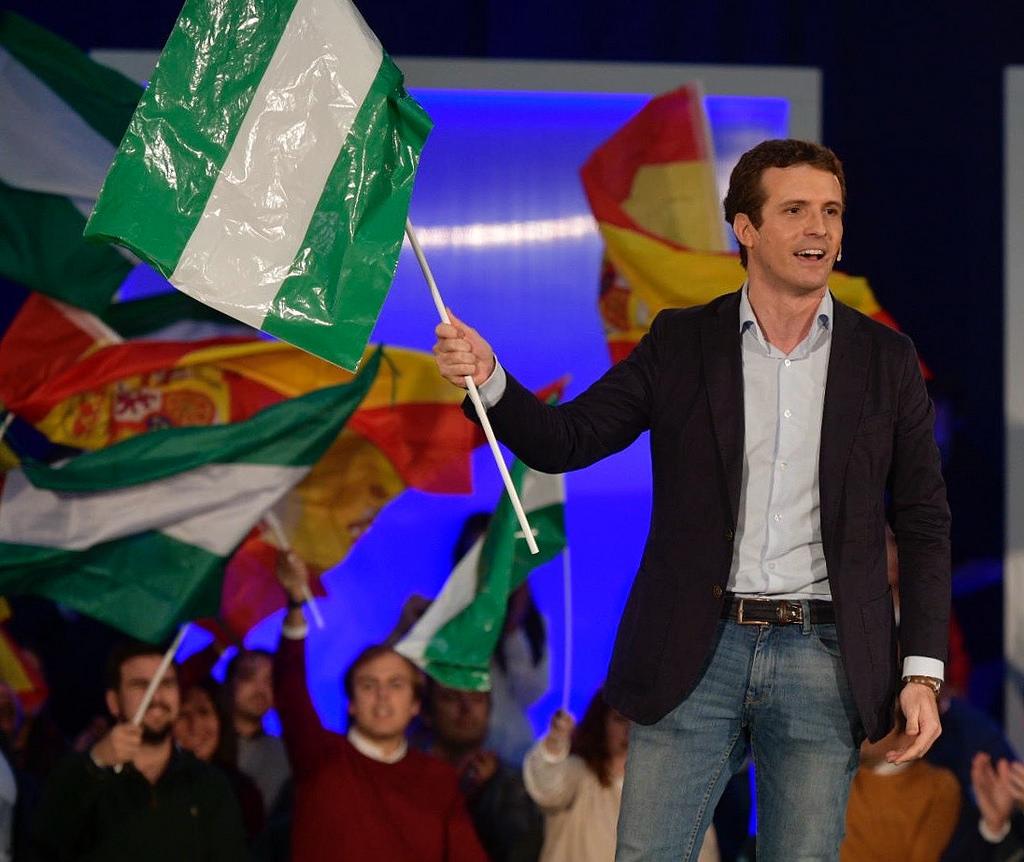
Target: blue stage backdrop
[(508, 163)]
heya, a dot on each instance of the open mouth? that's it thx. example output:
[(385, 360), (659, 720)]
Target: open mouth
[(814, 254)]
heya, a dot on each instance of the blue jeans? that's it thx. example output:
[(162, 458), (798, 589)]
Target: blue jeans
[(781, 689)]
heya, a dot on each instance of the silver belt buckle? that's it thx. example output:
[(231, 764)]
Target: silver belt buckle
[(745, 622), (790, 612)]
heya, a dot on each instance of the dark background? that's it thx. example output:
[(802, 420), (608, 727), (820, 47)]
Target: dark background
[(912, 103)]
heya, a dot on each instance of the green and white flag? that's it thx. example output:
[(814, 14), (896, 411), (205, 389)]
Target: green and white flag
[(454, 640), (62, 118), (137, 534), (268, 168)]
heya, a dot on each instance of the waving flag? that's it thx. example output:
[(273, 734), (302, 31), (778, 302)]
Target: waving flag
[(651, 187), (268, 169), (86, 391), (137, 534), (455, 639), (63, 116)]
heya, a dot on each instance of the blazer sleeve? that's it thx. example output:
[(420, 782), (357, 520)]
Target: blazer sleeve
[(604, 419), (920, 519)]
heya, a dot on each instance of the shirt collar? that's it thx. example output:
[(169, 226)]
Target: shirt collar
[(748, 320), (369, 748)]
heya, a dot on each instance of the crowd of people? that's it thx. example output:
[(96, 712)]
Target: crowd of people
[(788, 432), (416, 776)]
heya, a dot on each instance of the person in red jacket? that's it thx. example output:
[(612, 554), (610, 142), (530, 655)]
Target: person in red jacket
[(364, 794)]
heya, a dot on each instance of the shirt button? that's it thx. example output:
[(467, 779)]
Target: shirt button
[(783, 465), (787, 413), (789, 362), (729, 535), (771, 566), (777, 517), (717, 591)]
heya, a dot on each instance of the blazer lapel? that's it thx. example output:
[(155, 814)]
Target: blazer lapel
[(720, 345), (845, 385)]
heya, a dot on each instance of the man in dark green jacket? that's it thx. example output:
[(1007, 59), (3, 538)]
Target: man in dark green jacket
[(134, 795)]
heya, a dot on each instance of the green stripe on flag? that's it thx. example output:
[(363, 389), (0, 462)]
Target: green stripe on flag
[(348, 256), (144, 585), (269, 437), (41, 247), (186, 123)]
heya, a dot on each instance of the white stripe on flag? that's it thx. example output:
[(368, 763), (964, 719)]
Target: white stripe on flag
[(269, 186), (541, 490), (47, 147), (458, 594), (218, 503)]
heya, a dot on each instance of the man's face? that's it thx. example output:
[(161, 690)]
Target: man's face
[(383, 698), (198, 726), (801, 229), (460, 717), (253, 686), (136, 674)]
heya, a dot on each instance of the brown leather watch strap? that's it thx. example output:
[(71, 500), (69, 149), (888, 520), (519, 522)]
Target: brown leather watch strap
[(934, 683)]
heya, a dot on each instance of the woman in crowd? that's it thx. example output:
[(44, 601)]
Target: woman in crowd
[(576, 780), (204, 728)]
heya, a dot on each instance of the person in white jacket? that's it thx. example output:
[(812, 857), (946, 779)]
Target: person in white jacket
[(576, 780)]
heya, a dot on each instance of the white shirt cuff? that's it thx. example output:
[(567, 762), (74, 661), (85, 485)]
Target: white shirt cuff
[(295, 633), (547, 756), (990, 836), (493, 387), (919, 665)]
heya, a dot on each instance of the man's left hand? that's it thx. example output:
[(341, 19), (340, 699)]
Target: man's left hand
[(921, 723)]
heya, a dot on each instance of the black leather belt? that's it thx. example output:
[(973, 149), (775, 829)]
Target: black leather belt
[(774, 612)]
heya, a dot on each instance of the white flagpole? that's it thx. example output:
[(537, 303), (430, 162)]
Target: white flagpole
[(272, 521), (158, 677), (474, 396), (567, 627)]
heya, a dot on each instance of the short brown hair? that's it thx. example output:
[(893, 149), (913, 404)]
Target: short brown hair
[(746, 194), (124, 652), (375, 651)]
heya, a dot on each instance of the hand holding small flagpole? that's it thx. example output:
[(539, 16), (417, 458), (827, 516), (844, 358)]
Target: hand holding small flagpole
[(158, 677), (272, 521), (474, 396)]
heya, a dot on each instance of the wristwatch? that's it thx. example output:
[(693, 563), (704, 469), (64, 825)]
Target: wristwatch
[(933, 682), (293, 603)]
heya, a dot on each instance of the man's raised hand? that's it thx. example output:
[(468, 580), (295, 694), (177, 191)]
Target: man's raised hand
[(293, 575), (559, 735), (461, 352), (119, 746)]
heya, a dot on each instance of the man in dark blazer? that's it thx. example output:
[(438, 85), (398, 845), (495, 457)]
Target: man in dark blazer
[(782, 426)]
